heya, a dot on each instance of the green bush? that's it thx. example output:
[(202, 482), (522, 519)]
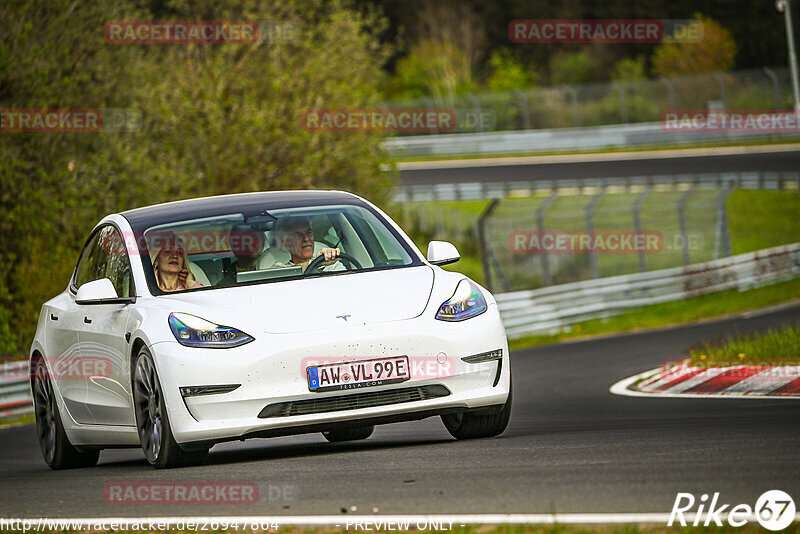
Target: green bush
[(215, 119)]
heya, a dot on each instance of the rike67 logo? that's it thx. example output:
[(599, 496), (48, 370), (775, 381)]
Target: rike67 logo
[(774, 510)]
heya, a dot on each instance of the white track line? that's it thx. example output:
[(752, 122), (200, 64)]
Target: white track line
[(347, 519)]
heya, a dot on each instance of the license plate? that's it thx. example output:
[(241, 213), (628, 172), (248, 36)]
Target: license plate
[(360, 374)]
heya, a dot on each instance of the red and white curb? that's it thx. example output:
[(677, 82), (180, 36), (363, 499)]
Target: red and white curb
[(684, 380)]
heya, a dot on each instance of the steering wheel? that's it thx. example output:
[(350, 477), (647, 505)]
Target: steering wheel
[(317, 262)]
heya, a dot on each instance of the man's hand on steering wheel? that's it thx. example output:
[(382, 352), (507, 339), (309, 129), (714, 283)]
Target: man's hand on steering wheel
[(330, 254), (321, 260)]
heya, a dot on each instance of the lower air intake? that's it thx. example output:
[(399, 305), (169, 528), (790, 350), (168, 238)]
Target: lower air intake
[(354, 401)]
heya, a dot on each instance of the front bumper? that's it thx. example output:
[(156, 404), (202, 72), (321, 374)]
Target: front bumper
[(272, 370)]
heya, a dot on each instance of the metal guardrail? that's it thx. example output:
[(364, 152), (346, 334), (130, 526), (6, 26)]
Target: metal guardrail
[(15, 391), (552, 309), (502, 189), (559, 139)]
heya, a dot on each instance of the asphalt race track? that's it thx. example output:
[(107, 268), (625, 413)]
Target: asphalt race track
[(571, 447), (779, 161)]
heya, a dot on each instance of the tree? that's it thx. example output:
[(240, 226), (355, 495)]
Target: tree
[(447, 42), (433, 68), (715, 52), (216, 119), (629, 69), (508, 74)]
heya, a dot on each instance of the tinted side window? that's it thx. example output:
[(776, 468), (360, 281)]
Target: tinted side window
[(105, 257)]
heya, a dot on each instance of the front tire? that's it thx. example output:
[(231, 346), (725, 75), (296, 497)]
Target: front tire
[(468, 425), (349, 434), (56, 448), (152, 422)]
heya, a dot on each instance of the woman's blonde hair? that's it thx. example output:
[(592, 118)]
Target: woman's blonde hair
[(169, 238)]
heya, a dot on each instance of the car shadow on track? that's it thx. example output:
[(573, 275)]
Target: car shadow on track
[(288, 451)]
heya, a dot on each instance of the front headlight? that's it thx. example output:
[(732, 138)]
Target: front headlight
[(192, 331), (466, 302)]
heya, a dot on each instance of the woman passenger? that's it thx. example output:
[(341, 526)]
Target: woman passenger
[(169, 263)]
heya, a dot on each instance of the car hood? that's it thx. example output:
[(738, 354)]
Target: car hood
[(314, 303)]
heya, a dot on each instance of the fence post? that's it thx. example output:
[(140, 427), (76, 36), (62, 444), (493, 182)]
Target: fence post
[(670, 92), (623, 103), (775, 91), (483, 245), (431, 105), (573, 97), (722, 241), (540, 211), (637, 223), (477, 105), (682, 223), (440, 229), (590, 229), (721, 83), (523, 108)]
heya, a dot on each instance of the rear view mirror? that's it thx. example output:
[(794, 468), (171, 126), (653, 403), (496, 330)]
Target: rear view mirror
[(100, 292)]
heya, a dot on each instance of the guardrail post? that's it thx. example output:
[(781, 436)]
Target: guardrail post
[(775, 90), (722, 241), (523, 108), (547, 279), (637, 224), (590, 229), (483, 245), (682, 223)]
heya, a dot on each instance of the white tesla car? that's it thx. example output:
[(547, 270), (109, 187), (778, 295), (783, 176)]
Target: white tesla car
[(255, 315)]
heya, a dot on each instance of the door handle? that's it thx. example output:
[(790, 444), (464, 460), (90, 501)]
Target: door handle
[(87, 320), (53, 317)]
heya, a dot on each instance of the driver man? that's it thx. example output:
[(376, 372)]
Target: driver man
[(295, 235)]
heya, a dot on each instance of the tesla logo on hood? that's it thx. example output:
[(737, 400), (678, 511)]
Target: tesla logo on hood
[(342, 317)]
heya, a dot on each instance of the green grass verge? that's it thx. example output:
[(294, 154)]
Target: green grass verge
[(17, 419), (762, 219), (780, 346), (469, 266), (670, 313)]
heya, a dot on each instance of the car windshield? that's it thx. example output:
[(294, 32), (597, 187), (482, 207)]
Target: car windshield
[(238, 249)]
